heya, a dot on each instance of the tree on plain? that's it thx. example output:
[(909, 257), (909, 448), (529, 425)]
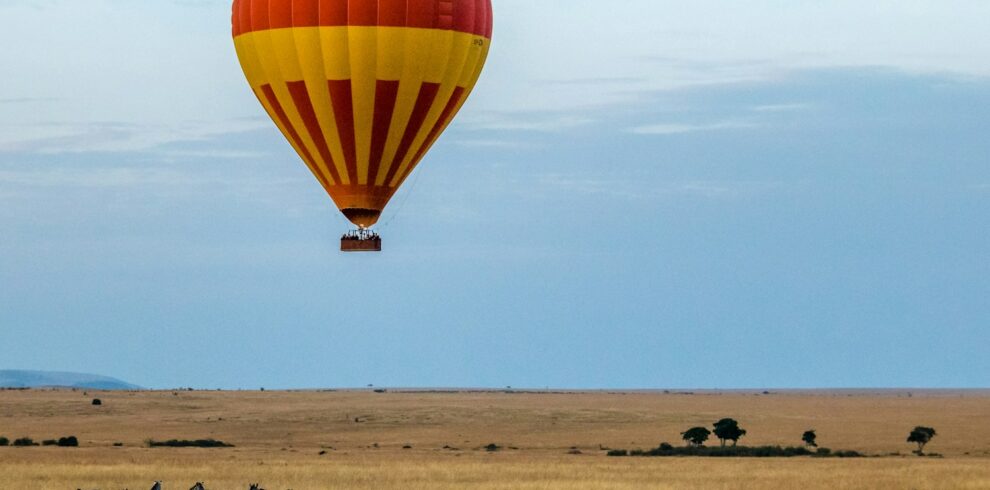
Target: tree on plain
[(810, 438), (696, 436), (728, 430), (921, 436)]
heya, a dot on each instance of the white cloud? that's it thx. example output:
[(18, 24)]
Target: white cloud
[(682, 128), (523, 121), (793, 107), (639, 189), (95, 177), (56, 137), (486, 143)]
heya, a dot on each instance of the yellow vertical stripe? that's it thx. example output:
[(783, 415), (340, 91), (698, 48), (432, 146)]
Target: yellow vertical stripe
[(311, 61), (335, 42), (364, 57)]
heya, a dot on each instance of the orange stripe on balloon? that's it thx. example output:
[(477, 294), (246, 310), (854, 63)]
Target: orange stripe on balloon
[(333, 13), (361, 12), (259, 15), (386, 92), (445, 11), (424, 102), (300, 96), (305, 13), (293, 134), (393, 12), (467, 16), (343, 111), (235, 16), (279, 12)]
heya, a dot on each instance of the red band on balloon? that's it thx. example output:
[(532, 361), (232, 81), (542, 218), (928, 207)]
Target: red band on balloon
[(467, 16)]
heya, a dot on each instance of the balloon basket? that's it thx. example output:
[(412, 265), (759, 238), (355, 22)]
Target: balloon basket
[(361, 241)]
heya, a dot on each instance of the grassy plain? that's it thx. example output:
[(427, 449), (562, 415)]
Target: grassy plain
[(422, 440)]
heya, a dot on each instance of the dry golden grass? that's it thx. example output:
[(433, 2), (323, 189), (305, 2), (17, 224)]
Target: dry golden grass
[(279, 437)]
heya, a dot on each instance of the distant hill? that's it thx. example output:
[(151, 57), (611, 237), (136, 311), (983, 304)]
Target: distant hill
[(38, 379)]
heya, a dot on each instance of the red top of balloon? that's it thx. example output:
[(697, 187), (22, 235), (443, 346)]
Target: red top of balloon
[(468, 16)]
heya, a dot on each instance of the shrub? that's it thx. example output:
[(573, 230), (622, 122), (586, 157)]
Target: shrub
[(4, 441), (97, 402), (49, 442), (921, 436), (728, 430), (493, 447), (696, 436), (24, 442), (618, 453), (205, 443), (70, 441), (823, 451), (847, 454)]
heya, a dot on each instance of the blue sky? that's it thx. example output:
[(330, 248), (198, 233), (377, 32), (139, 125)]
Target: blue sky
[(781, 194)]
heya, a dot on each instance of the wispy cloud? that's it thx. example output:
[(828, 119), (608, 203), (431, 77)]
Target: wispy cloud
[(95, 177), (113, 137), (790, 107), (27, 100), (599, 81), (683, 128), (214, 154), (525, 121), (637, 189), (487, 143)]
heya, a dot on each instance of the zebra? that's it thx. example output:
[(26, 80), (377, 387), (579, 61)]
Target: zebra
[(157, 486)]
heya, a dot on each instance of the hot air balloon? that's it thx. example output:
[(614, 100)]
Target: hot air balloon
[(362, 88)]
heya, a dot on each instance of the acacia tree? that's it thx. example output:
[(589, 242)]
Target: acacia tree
[(728, 430), (921, 436), (810, 438), (696, 436)]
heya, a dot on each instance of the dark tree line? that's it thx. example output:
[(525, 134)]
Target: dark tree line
[(728, 429)]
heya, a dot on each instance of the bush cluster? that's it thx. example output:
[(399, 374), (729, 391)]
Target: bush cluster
[(205, 443), (70, 441), (667, 450)]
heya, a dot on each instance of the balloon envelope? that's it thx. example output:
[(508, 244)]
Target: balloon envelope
[(362, 88)]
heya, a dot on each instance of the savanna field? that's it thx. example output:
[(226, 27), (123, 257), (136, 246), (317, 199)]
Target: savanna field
[(424, 440)]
